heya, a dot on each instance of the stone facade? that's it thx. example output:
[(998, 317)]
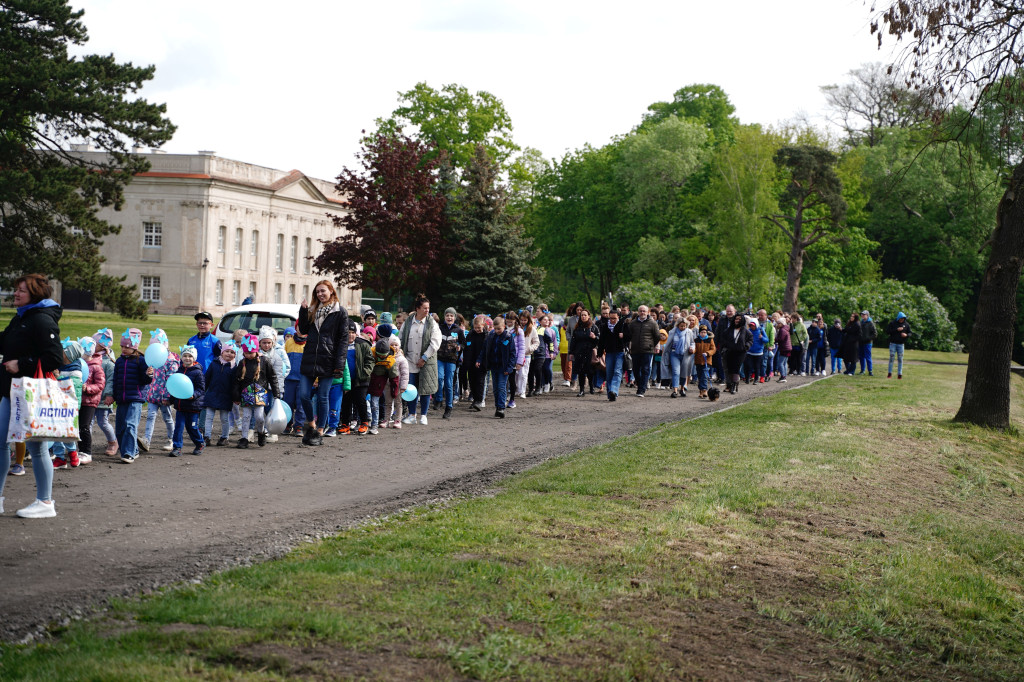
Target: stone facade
[(200, 232)]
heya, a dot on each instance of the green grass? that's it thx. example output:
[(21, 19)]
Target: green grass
[(76, 324), (850, 521)]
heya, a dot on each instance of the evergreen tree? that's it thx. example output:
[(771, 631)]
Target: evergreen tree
[(492, 270), (49, 197)]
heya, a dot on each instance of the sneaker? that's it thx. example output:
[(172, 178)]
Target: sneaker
[(612, 397), (243, 444), (261, 439), (364, 427), (436, 406), (222, 441), (73, 458), (144, 444), (476, 407), (315, 438), (127, 459), (397, 424), (176, 452), (782, 380), (890, 376), (899, 376), (639, 395), (17, 470), (60, 463), (674, 395), (199, 449), (85, 459), (373, 430), (500, 414), (333, 432), (111, 448), (760, 380), (409, 419), (38, 510), (511, 405), (565, 383), (169, 445), (447, 413), (423, 419), (272, 438)]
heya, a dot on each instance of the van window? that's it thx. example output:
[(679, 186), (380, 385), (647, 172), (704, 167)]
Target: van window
[(253, 320)]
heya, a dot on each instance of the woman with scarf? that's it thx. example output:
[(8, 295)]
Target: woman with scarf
[(31, 341), (325, 324)]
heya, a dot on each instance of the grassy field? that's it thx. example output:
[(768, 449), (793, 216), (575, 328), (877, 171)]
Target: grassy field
[(844, 531)]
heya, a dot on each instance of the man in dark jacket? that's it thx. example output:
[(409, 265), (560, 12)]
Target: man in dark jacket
[(724, 322), (611, 345), (898, 331), (868, 333), (644, 337)]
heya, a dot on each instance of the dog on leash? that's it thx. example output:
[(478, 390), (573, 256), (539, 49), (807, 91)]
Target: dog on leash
[(713, 394)]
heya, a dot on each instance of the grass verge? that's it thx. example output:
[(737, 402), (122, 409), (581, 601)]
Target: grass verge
[(843, 531)]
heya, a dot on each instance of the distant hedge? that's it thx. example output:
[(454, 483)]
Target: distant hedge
[(932, 328)]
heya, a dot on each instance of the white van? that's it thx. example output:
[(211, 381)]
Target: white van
[(280, 316)]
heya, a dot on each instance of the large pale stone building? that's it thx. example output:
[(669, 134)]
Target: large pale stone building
[(201, 232)]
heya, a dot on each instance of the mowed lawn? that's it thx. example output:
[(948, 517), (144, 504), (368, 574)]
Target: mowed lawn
[(846, 530)]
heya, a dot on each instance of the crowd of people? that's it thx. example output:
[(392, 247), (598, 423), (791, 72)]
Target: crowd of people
[(340, 374)]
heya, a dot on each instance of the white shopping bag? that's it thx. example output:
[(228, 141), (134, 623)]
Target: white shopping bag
[(43, 409)]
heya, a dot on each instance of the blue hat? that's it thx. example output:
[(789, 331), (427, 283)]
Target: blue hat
[(900, 316), (290, 331)]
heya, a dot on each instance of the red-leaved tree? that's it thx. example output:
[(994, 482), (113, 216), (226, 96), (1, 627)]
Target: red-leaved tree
[(391, 233)]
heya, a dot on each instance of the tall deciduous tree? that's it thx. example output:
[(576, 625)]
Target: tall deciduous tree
[(49, 197), (391, 233), (958, 45), (455, 121), (491, 271), (811, 207), (873, 100)]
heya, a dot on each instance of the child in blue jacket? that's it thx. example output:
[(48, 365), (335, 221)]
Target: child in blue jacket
[(220, 379), (501, 357), (130, 375), (187, 410)]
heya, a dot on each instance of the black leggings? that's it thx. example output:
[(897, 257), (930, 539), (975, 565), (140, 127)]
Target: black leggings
[(85, 417), (534, 381), (354, 402), (585, 371)]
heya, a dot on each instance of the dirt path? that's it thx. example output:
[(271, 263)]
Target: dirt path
[(123, 530)]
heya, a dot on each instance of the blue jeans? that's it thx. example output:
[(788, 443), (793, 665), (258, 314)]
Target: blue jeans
[(500, 382), (783, 367), (766, 362), (895, 352), (225, 422), (642, 370), (702, 377), (546, 375), (165, 412), (126, 426), (336, 396), (186, 421), (676, 362), (103, 421), (42, 469), (613, 371), (291, 396), (424, 400), (446, 382), (865, 357), (837, 362), (323, 394)]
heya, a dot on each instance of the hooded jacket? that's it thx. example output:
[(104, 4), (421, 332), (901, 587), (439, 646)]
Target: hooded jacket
[(501, 352), (219, 382), (92, 391), (32, 337), (895, 328)]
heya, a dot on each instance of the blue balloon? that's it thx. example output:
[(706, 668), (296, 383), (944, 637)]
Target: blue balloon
[(180, 386), (156, 355), (410, 393), (287, 410)]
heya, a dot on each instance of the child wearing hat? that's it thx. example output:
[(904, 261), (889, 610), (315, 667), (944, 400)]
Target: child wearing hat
[(158, 400), (131, 375), (92, 393), (187, 410), (104, 339), (294, 344), (73, 370), (220, 383), (254, 383), (280, 362)]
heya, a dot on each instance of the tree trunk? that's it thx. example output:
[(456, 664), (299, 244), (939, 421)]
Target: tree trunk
[(986, 399), (793, 273)]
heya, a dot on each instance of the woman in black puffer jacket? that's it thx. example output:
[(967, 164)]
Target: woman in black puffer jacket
[(31, 341), (582, 345), (325, 324)]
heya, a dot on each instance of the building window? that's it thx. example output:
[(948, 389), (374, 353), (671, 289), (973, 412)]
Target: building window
[(309, 255), (252, 290), (305, 293), (236, 288), (151, 289), (222, 236), (291, 293), (279, 254), (254, 248), (152, 234), (238, 240), (294, 263), (218, 292), (277, 293)]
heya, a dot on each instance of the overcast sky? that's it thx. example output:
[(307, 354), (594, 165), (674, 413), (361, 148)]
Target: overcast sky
[(290, 85)]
